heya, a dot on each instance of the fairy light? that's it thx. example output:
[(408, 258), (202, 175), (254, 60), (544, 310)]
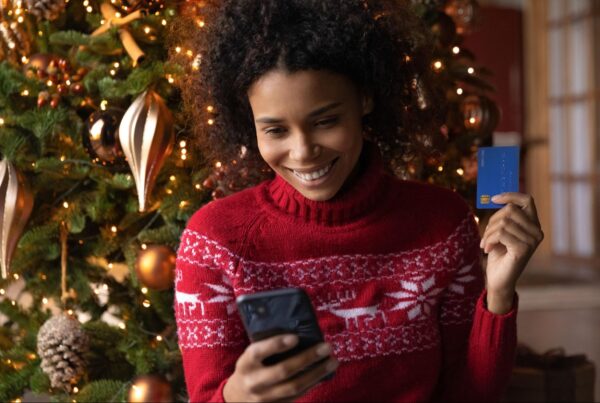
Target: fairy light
[(182, 204), (144, 246), (407, 58), (24, 93), (103, 104), (118, 14), (105, 287), (49, 83), (33, 164), (472, 120), (16, 276), (89, 9), (62, 158), (13, 303), (169, 191), (437, 65), (182, 143), (122, 325), (44, 277), (218, 164), (2, 291), (65, 204), (183, 157), (172, 178), (470, 70), (455, 50), (112, 72), (171, 80), (183, 151), (164, 22), (31, 356), (198, 186), (159, 338), (1, 122), (200, 23), (460, 171), (459, 91), (189, 53), (40, 33), (110, 265), (144, 290), (70, 312), (210, 108), (20, 19), (44, 300), (178, 49), (146, 303), (477, 219), (24, 60), (440, 168), (113, 228)]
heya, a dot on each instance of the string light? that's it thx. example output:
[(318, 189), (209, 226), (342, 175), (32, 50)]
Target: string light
[(211, 121), (1, 122), (198, 186), (455, 50), (49, 83), (144, 246), (183, 157), (70, 312), (470, 70), (25, 93), (103, 104), (183, 151), (122, 325), (75, 389), (164, 22), (182, 143), (44, 300), (62, 158), (172, 178), (13, 303), (110, 265), (210, 108), (66, 205), (146, 303), (112, 72), (477, 219), (460, 171), (437, 65), (144, 290), (159, 338), (169, 191), (113, 229), (178, 49), (182, 204), (16, 276), (440, 168), (218, 164), (472, 120), (200, 23), (459, 91), (2, 291)]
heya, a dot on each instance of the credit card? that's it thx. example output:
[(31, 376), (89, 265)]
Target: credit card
[(497, 172)]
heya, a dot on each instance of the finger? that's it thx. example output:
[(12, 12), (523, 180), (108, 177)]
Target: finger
[(523, 200), (259, 350), (524, 226), (515, 213), (514, 229), (300, 385), (286, 369), (508, 240)]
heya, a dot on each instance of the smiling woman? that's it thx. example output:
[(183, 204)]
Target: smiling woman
[(315, 149)]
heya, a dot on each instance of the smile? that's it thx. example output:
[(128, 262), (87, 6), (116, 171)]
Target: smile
[(316, 175)]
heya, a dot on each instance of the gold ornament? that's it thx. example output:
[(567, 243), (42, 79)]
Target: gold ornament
[(15, 43), (146, 136), (150, 388), (155, 267), (16, 203)]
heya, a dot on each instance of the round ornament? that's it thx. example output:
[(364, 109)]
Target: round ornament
[(150, 388), (155, 267), (101, 136), (465, 14), (480, 114)]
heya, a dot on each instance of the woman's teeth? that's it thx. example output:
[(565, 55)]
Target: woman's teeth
[(314, 175)]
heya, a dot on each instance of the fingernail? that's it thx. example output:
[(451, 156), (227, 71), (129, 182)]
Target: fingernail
[(332, 365), (496, 198), (290, 340), (481, 243), (323, 350)]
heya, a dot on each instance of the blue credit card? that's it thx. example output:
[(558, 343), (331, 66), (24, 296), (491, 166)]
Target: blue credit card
[(497, 172)]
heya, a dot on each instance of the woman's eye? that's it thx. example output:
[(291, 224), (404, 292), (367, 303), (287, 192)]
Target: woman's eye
[(326, 122), (274, 132)]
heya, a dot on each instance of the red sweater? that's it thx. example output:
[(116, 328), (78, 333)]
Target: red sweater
[(392, 268)]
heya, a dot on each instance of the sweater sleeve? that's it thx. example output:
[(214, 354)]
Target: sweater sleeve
[(478, 346), (210, 332)]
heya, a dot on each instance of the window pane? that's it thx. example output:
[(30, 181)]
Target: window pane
[(556, 61), (578, 7), (579, 57), (579, 137), (581, 209), (558, 149), (555, 9), (560, 229)]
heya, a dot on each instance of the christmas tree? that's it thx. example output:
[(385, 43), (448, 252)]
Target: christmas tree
[(97, 182)]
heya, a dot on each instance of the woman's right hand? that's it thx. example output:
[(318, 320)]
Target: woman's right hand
[(254, 382)]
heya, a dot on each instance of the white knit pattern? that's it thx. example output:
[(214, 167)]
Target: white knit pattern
[(361, 317)]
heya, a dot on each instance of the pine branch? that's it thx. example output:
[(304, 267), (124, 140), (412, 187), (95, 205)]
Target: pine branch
[(105, 390)]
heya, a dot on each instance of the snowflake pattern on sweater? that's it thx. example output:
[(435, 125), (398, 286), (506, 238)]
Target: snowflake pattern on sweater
[(359, 322)]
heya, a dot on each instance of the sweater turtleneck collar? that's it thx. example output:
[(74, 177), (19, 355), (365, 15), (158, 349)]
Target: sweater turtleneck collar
[(348, 205)]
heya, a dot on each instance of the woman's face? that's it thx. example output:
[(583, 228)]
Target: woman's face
[(308, 128)]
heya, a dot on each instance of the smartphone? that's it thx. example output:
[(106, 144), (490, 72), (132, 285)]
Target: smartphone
[(282, 311)]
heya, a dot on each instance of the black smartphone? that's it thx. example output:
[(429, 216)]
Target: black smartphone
[(281, 311)]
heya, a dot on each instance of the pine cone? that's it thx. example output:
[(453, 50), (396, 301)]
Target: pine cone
[(46, 9), (62, 343)]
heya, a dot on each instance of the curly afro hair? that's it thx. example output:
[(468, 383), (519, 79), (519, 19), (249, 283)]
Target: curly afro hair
[(381, 45)]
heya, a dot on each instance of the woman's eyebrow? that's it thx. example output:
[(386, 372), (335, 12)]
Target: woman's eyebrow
[(314, 113)]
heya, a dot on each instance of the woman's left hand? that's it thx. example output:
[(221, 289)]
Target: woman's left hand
[(510, 238)]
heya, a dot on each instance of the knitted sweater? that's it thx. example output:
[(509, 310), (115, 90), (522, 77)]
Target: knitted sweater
[(392, 268)]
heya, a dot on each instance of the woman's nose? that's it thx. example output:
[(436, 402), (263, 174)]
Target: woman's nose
[(304, 149)]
